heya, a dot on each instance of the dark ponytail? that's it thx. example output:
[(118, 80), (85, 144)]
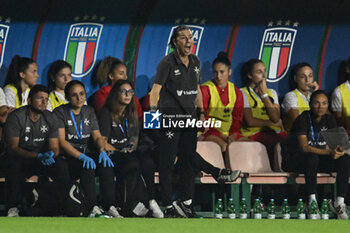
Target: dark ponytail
[(18, 65), (294, 72), (246, 70), (222, 57), (54, 69)]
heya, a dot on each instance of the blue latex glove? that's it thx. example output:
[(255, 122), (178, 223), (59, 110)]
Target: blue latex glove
[(46, 158), (88, 162), (50, 160), (50, 153), (107, 162), (42, 158)]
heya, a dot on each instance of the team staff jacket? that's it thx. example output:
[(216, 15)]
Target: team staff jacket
[(102, 94), (33, 136), (259, 111), (86, 119), (179, 84), (225, 105), (119, 134), (294, 100)]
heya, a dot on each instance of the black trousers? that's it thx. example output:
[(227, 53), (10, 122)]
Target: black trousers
[(148, 166), (126, 169), (310, 164), (180, 143), (87, 179), (200, 164), (17, 169)]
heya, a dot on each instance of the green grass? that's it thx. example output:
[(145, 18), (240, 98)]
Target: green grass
[(141, 225)]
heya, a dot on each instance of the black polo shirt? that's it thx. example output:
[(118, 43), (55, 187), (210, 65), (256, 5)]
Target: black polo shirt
[(89, 123), (302, 126), (33, 136), (119, 134), (179, 84)]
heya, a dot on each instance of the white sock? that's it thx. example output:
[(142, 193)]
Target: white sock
[(339, 201), (188, 202), (311, 198)]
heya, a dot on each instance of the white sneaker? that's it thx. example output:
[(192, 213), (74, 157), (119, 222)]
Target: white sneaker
[(140, 210), (156, 211), (96, 212), (13, 212), (340, 210), (113, 212)]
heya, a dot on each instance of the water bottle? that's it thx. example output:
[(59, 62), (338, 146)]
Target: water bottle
[(301, 209), (257, 209), (285, 209), (271, 209), (313, 210), (218, 209), (231, 210), (243, 210), (324, 209), (261, 203)]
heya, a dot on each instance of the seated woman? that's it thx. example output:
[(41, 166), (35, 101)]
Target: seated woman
[(22, 75), (296, 101), (261, 120), (340, 100), (223, 101), (111, 70), (60, 73), (78, 133), (311, 155), (118, 122)]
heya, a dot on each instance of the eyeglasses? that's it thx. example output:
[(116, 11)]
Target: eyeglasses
[(127, 92)]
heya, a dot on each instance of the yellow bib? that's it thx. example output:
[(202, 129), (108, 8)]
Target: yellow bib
[(345, 97), (219, 111), (18, 103), (55, 101), (258, 112), (302, 106)]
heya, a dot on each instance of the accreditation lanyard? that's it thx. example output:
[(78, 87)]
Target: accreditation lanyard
[(314, 140), (126, 132), (80, 130)]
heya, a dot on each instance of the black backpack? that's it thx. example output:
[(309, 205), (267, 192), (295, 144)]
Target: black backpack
[(41, 200), (74, 201), (44, 200)]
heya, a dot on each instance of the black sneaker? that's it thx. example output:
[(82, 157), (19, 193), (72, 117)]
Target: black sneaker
[(172, 213), (186, 211), (226, 175)]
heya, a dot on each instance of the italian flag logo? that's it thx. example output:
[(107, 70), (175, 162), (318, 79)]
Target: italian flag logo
[(276, 50), (3, 36), (81, 47)]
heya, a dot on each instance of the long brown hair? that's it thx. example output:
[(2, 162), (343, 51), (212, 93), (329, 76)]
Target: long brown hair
[(106, 67), (113, 104)]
